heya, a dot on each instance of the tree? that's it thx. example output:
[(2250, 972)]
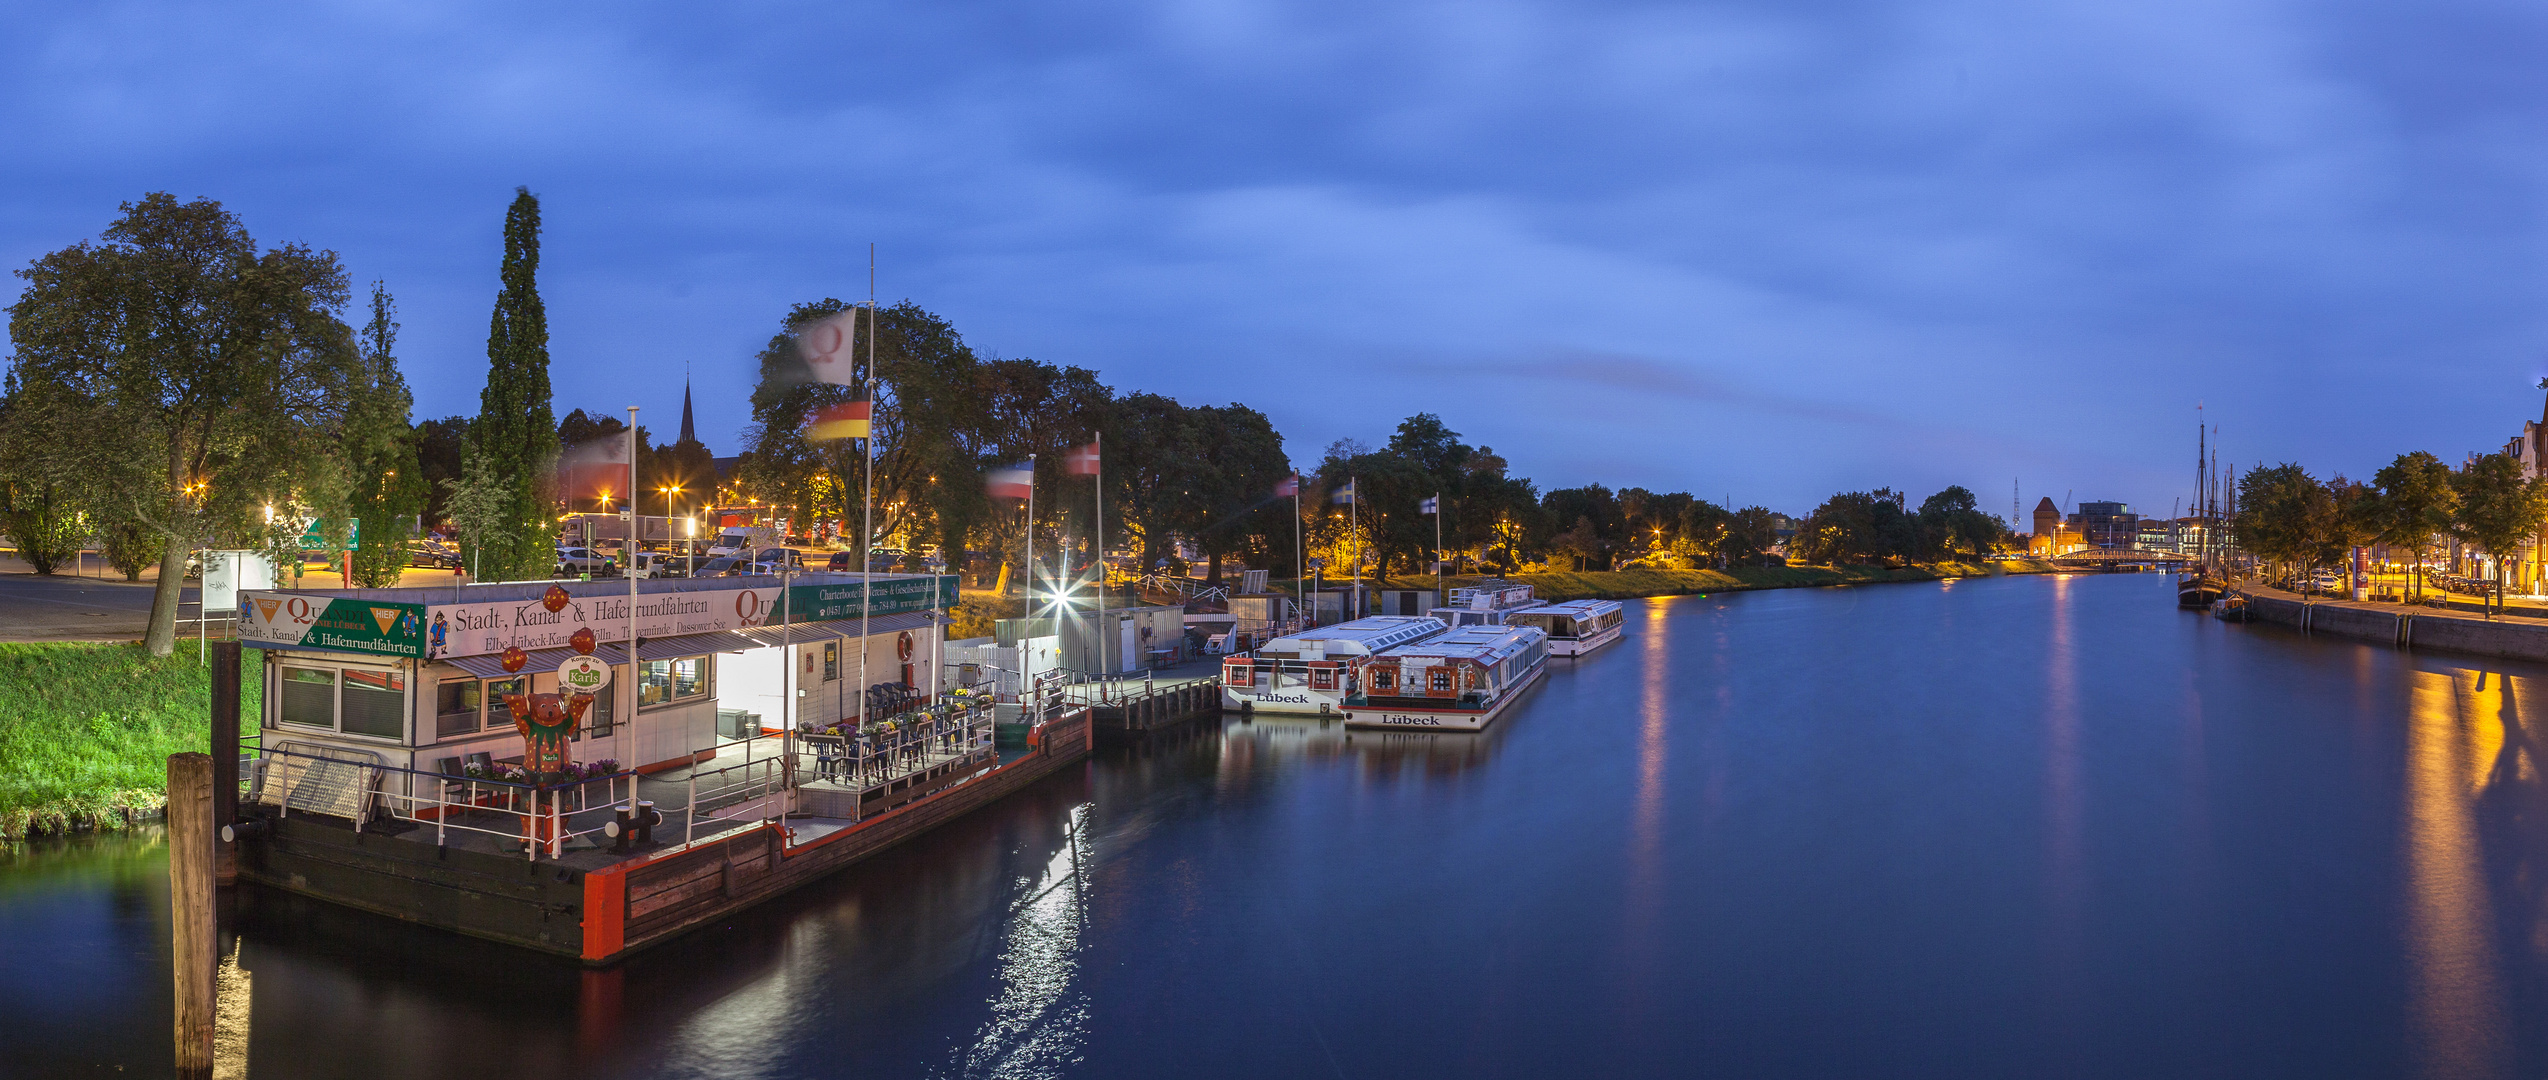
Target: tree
[(439, 448), (2499, 508), (388, 480), (1858, 527), (2286, 515), (1952, 523), (512, 445), (2358, 519), (2416, 493), (1593, 528), (183, 380)]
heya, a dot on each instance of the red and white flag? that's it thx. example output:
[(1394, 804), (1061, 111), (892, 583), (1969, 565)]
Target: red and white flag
[(1082, 460), (826, 347), (1289, 488)]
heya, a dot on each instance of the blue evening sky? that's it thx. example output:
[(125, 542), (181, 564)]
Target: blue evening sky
[(1770, 250)]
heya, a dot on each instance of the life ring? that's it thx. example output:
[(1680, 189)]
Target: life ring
[(902, 646)]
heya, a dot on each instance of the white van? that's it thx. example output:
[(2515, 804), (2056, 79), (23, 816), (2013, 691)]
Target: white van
[(735, 540)]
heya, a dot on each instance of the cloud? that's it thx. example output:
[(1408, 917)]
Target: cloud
[(1807, 247)]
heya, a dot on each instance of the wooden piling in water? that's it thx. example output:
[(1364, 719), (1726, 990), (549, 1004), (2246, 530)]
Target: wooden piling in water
[(225, 758), (191, 951)]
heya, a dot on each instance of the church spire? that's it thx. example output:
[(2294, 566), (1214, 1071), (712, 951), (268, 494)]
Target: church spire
[(687, 434)]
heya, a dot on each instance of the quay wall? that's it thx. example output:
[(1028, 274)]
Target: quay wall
[(2408, 627)]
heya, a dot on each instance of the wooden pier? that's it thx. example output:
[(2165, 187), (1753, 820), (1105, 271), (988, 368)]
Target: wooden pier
[(1144, 712)]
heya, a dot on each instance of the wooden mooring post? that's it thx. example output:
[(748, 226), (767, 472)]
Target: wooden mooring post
[(225, 758), (190, 908)]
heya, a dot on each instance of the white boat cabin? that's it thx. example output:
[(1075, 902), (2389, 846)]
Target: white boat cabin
[(1312, 671), (416, 678), (1575, 627)]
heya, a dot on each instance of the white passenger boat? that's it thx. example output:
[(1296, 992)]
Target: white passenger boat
[(1490, 603), (1460, 681), (1312, 671), (1575, 627)]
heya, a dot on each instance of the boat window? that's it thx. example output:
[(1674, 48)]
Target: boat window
[(671, 681), (499, 714), (375, 703), (1322, 678), (598, 718), (309, 697), (455, 707), (1384, 679), (1439, 681), (831, 661)]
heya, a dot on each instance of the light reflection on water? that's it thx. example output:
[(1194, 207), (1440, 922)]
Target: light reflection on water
[(2455, 728), (2008, 828)]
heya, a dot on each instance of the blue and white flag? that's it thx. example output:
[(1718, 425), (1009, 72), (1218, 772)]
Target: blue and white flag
[(1342, 495), (1015, 482), (1431, 506)]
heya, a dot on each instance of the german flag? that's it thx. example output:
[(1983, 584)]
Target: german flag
[(847, 420)]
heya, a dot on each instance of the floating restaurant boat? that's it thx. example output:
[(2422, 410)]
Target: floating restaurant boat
[(1460, 681), (1312, 671), (1575, 627), (420, 758)]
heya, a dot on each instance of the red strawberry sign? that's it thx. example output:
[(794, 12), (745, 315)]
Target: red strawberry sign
[(555, 599), (583, 641), (514, 658)]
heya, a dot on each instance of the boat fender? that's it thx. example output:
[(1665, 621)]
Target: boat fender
[(1035, 737)]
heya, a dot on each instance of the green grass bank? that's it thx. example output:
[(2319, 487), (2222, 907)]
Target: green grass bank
[(1634, 584), (86, 730)]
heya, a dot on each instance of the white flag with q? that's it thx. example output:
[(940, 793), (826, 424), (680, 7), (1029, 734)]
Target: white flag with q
[(825, 344)]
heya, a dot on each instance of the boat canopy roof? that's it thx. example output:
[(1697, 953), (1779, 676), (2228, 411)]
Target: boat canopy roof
[(1477, 644), (1574, 609), (1361, 637)]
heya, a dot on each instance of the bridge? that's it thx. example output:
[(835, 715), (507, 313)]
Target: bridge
[(2122, 557)]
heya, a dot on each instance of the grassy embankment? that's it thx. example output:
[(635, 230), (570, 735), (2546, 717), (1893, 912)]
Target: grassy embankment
[(1631, 584), (86, 730)]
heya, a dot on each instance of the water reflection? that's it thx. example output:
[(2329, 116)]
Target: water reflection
[(2455, 727), (1038, 1022)]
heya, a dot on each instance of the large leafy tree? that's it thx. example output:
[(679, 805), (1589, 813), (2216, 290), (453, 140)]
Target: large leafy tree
[(511, 450), (2286, 515), (1589, 524), (182, 379), (1858, 527), (1952, 523), (2418, 502), (2499, 508)]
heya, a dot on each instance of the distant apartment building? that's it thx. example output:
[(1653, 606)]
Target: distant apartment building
[(2107, 524)]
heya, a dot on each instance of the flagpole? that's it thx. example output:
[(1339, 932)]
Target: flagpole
[(630, 569), (1300, 567), (1026, 641), (1437, 547), (867, 501), (1102, 625), (1353, 499)]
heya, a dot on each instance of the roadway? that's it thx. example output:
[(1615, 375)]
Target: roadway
[(68, 606)]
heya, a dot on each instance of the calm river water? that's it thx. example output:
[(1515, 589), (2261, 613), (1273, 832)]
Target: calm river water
[(2018, 827)]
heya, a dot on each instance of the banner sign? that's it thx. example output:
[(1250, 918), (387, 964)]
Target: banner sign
[(297, 620), (815, 603), (290, 620), (491, 626)]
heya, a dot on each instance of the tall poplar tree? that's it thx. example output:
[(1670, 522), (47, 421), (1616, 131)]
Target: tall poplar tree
[(387, 481), (512, 446)]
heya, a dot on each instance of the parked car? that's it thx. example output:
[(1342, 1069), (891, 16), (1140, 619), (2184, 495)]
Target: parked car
[(579, 560), (842, 561), (657, 564), (726, 566), (772, 560), (432, 554)]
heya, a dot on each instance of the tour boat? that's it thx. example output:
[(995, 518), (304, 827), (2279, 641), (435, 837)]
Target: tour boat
[(1575, 627), (1489, 603), (2230, 607), (1312, 671), (1460, 681)]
